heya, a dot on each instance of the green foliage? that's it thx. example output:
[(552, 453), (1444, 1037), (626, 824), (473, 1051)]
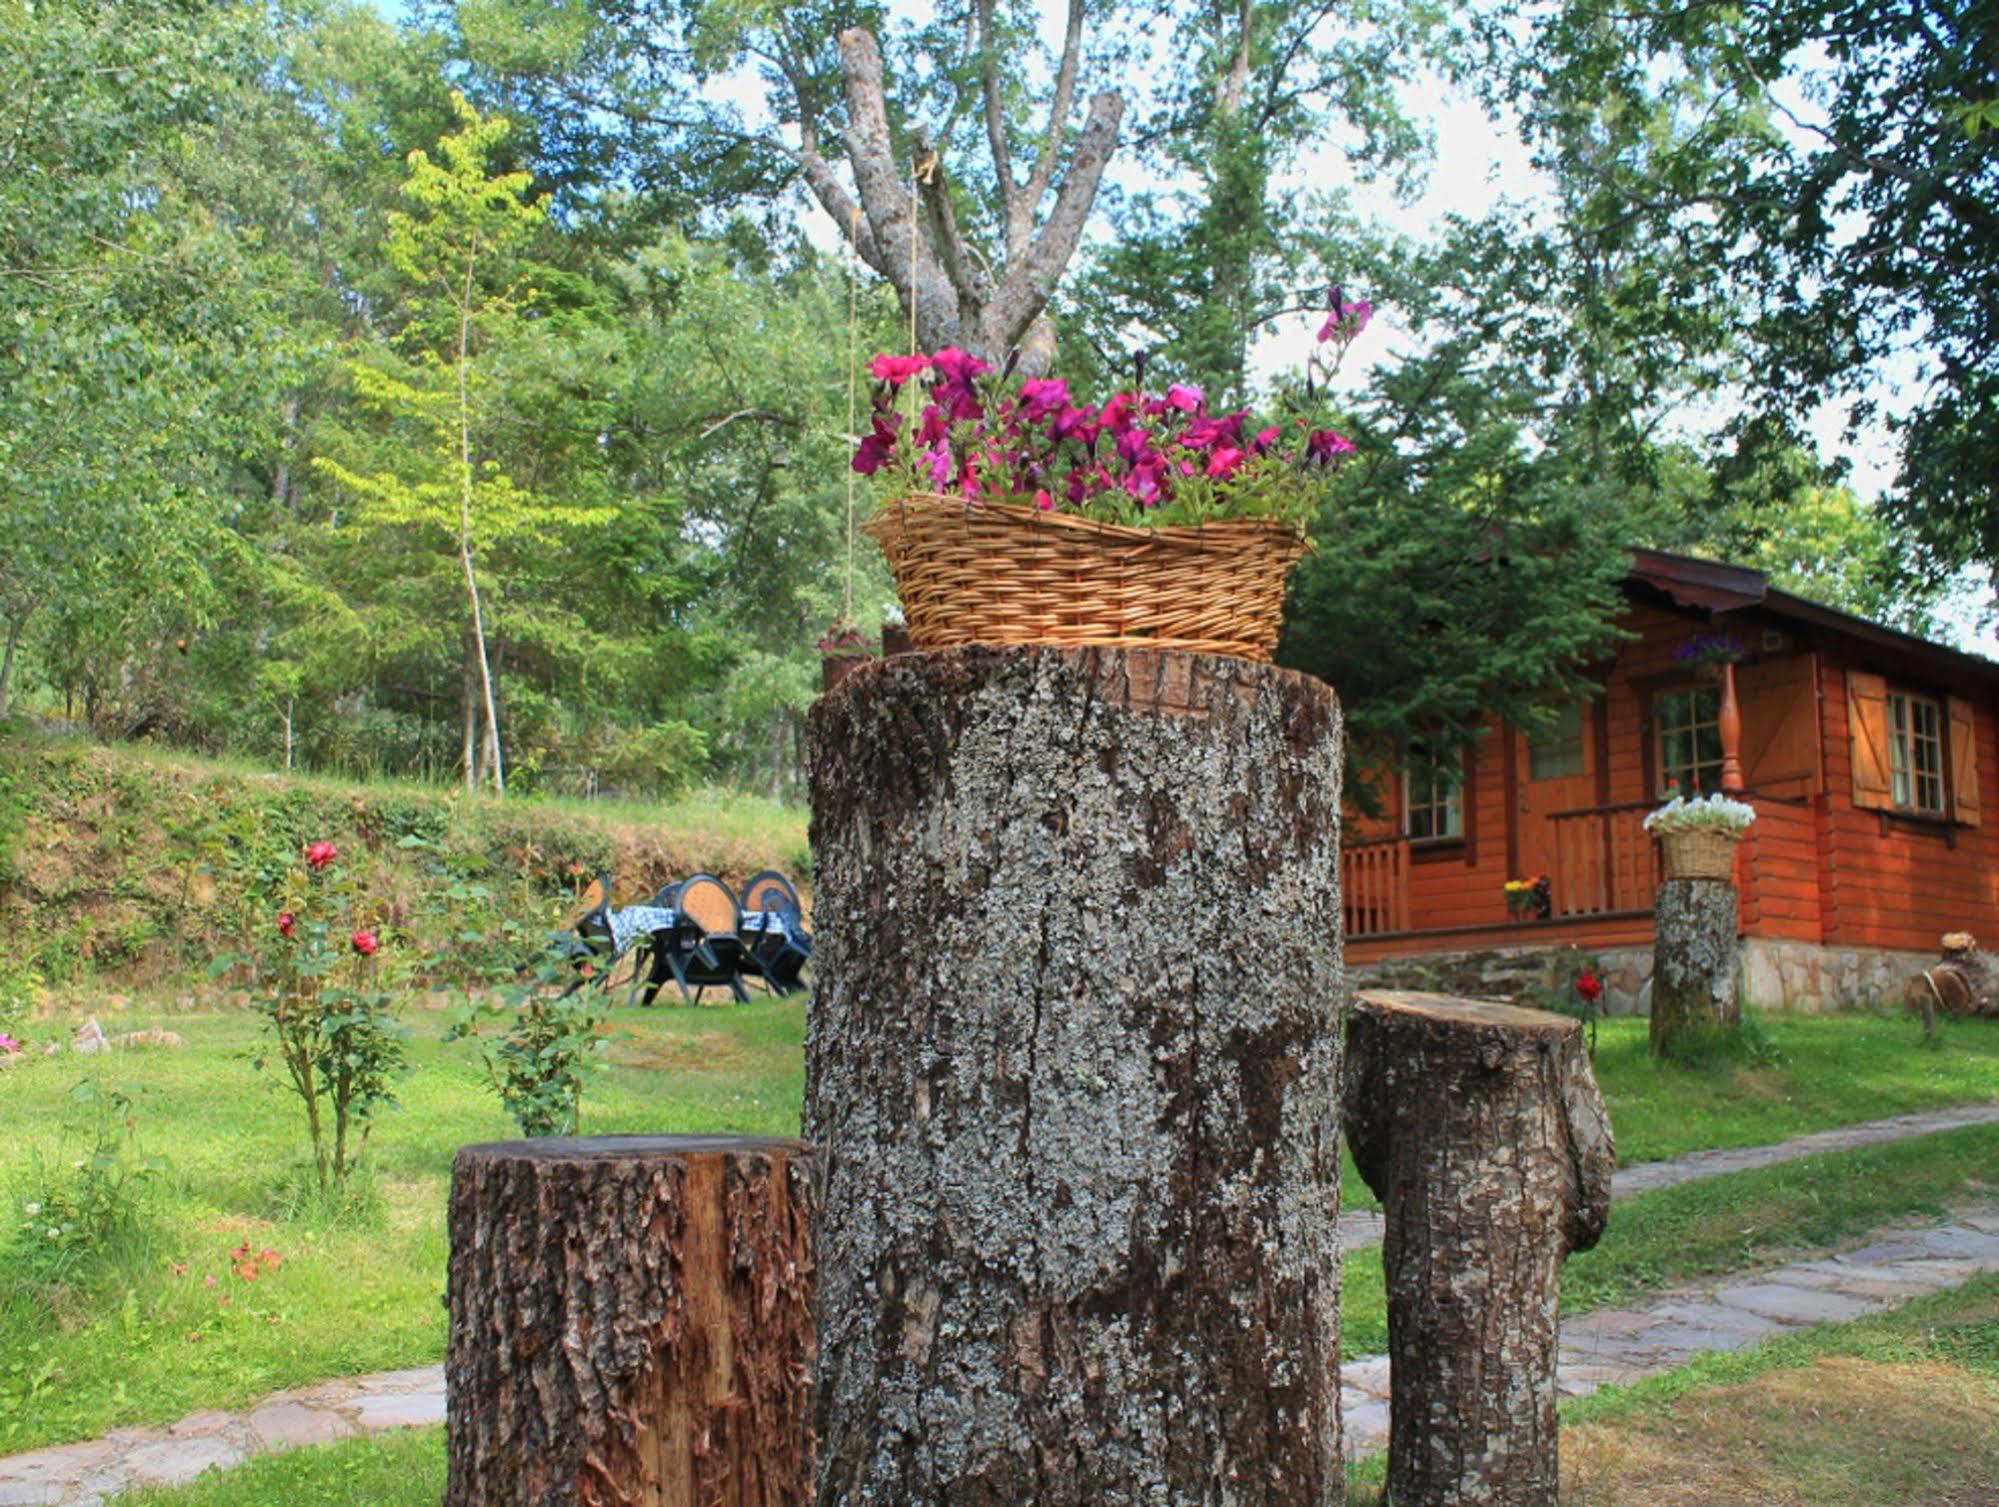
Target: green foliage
[(93, 1202), (541, 1062)]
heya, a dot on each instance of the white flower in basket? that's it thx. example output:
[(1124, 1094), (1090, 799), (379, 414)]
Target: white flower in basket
[(1717, 813)]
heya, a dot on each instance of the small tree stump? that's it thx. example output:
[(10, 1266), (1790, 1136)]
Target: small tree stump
[(1696, 963), (630, 1323), (1966, 982), (1074, 1066), (1481, 1130)]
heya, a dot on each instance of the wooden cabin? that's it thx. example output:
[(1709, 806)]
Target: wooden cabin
[(1870, 756)]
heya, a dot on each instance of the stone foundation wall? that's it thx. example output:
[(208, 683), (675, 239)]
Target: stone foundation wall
[(1776, 975)]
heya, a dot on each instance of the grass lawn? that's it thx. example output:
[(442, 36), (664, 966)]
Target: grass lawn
[(1897, 1408), (151, 1340)]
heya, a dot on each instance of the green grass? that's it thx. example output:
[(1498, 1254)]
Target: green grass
[(1677, 1235), (404, 1469), (1886, 1409), (152, 1340), (149, 1341), (1892, 1408)]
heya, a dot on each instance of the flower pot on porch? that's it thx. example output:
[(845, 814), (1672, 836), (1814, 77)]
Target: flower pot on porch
[(1699, 853), (972, 571)]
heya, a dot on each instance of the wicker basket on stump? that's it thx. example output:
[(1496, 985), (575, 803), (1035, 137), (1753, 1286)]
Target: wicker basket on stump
[(999, 573), (1699, 853)]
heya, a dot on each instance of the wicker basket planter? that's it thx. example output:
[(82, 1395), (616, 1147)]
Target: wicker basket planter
[(996, 573), (1699, 853)]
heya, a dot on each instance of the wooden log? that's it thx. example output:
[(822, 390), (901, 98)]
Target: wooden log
[(1073, 1062), (630, 1323), (1696, 963), (1481, 1130)]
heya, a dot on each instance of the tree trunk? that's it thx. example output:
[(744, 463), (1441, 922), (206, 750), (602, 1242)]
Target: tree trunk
[(630, 1323), (468, 705), (1695, 963), (1074, 1060), (1480, 1129), (14, 627)]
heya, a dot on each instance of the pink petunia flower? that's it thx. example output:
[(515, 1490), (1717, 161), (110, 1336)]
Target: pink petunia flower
[(1346, 320), (1324, 446), (1044, 502), (1225, 462), (896, 370), (1042, 396), (1185, 396)]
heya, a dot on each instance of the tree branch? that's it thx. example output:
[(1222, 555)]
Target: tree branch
[(935, 189), (1031, 276), (1023, 205), (989, 86)]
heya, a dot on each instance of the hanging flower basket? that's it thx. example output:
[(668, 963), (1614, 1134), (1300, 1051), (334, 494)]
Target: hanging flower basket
[(977, 571)]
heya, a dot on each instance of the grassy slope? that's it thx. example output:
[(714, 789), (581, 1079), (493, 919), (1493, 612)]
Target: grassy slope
[(128, 867)]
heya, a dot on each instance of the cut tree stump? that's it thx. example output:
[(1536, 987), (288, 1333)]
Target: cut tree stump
[(1696, 963), (1481, 1130), (630, 1323), (1073, 1064)]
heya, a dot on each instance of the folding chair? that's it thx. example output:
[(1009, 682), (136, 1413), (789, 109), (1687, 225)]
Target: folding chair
[(774, 930), (705, 948)]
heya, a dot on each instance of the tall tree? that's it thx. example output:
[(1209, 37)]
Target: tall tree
[(1824, 164), (463, 248)]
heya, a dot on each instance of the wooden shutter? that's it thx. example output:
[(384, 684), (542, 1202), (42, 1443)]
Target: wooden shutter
[(1867, 721), (1780, 725), (1964, 762)]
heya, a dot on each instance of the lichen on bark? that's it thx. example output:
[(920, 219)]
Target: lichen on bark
[(1073, 1062)]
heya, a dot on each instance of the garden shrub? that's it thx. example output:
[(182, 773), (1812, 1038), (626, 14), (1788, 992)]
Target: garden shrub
[(77, 1214)]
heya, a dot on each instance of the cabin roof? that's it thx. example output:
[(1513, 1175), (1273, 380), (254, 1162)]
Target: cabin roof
[(1715, 588)]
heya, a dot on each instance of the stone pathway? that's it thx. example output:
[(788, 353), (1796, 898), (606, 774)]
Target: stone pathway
[(1362, 1227), (1620, 1346), (1598, 1348)]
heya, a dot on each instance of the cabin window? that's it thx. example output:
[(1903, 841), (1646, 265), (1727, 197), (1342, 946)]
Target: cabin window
[(1557, 753), (1689, 724), (1434, 799), (1915, 753)]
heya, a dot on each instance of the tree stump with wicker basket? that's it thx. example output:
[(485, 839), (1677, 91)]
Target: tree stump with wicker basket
[(1699, 853), (1073, 1064), (630, 1323)]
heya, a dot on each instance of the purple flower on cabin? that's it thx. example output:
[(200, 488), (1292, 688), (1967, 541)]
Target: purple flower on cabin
[(1041, 397), (896, 370), (1325, 447), (1710, 649)]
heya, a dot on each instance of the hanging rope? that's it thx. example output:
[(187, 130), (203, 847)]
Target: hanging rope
[(853, 400)]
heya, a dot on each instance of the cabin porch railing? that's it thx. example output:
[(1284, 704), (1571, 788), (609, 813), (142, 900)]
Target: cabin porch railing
[(1374, 886), (1605, 860)]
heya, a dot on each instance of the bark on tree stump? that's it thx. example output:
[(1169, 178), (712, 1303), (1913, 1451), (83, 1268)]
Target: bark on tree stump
[(1965, 982), (1073, 1065), (1696, 963), (1481, 1130), (631, 1323)]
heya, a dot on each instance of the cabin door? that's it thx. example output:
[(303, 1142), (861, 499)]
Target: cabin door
[(1556, 773)]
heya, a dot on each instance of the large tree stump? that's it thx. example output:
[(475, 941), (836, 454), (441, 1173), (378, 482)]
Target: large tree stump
[(1073, 1065), (1481, 1130), (1696, 963), (631, 1323)]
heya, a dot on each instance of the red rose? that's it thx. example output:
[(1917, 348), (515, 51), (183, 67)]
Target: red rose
[(286, 921), (366, 943), (1589, 986), (320, 854)]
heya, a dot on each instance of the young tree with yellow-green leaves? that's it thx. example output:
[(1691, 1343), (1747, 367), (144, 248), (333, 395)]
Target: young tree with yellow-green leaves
[(463, 248)]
